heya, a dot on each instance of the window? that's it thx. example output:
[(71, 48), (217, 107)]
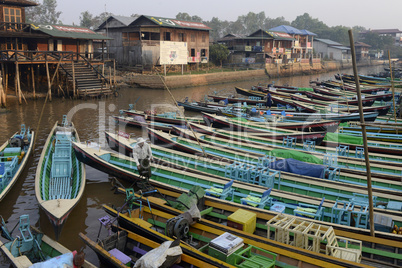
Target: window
[(12, 15), (192, 37), (182, 37), (11, 44), (166, 36), (192, 52), (203, 52)]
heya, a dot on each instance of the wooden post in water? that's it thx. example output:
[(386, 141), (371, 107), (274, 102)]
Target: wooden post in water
[(33, 80), (3, 74), (49, 90), (364, 134), (17, 76), (114, 72), (72, 65)]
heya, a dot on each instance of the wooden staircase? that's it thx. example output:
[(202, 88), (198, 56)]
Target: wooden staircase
[(88, 82)]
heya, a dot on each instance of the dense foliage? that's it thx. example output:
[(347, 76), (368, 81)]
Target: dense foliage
[(218, 53)]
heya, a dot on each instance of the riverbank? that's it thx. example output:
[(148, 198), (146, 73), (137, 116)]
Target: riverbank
[(271, 71)]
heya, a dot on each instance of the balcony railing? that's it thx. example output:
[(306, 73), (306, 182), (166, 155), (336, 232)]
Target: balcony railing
[(15, 27), (40, 56)]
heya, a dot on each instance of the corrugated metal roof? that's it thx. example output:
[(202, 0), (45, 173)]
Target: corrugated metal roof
[(166, 22), (328, 42), (340, 47), (307, 32), (286, 29), (66, 31)]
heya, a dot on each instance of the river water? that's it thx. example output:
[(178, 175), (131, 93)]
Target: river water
[(91, 119)]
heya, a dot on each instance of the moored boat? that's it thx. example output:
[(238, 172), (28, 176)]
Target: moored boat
[(34, 247), (15, 153), (60, 177)]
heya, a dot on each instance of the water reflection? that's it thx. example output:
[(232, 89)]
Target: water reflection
[(91, 119)]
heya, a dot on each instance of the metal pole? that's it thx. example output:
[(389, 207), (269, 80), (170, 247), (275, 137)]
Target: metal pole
[(364, 134)]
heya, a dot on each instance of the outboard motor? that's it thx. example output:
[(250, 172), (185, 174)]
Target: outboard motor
[(179, 226), (16, 142)]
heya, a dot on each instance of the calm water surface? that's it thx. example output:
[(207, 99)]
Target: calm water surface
[(91, 118)]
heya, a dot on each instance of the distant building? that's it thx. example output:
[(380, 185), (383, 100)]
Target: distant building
[(148, 40), (258, 47), (302, 46), (362, 51), (396, 34), (328, 49)]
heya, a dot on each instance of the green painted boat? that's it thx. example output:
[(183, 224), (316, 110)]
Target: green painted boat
[(60, 177), (125, 168)]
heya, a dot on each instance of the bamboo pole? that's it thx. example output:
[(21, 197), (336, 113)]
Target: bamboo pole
[(49, 91), (364, 134), (392, 84), (33, 80)]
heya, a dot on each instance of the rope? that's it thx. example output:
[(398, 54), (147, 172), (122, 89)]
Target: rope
[(40, 118), (187, 124)]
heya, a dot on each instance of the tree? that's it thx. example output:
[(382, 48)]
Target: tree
[(86, 20), (44, 14), (306, 22), (218, 53), (98, 20)]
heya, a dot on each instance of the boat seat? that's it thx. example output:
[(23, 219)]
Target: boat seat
[(341, 212), (289, 142), (25, 228), (259, 201), (60, 188), (220, 191), (120, 256), (310, 211), (61, 167), (309, 145)]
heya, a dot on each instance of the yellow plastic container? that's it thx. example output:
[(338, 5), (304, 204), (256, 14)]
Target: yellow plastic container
[(243, 220)]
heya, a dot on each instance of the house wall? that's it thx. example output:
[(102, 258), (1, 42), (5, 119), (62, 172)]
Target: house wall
[(2, 6), (336, 53)]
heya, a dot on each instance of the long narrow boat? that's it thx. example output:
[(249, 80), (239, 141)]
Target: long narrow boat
[(15, 153), (60, 177), (214, 150), (366, 101), (383, 249), (123, 248), (205, 232), (124, 167), (33, 246), (196, 107), (352, 86), (381, 110), (337, 93), (141, 122), (167, 118)]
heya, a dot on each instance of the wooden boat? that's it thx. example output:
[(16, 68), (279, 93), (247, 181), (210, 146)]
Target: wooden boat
[(381, 250), (238, 125), (194, 161), (141, 122), (197, 107), (205, 233), (33, 246), (60, 177), (337, 93), (14, 156), (352, 87), (366, 101), (124, 167), (166, 118), (381, 110), (238, 151), (123, 248)]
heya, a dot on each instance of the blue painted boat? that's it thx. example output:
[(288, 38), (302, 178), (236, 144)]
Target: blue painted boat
[(14, 155)]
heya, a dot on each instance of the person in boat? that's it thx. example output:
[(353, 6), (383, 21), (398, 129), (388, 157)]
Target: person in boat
[(142, 155), (269, 100)]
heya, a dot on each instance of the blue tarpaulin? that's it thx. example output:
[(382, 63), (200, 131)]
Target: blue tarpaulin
[(298, 167)]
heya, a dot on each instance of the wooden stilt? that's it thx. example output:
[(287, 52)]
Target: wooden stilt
[(6, 79), (17, 75), (4, 96), (110, 77), (72, 65), (33, 81), (49, 91), (114, 72)]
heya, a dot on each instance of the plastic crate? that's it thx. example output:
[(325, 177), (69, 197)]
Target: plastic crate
[(243, 220)]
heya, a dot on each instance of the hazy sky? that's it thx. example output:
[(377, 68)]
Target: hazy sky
[(372, 14)]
